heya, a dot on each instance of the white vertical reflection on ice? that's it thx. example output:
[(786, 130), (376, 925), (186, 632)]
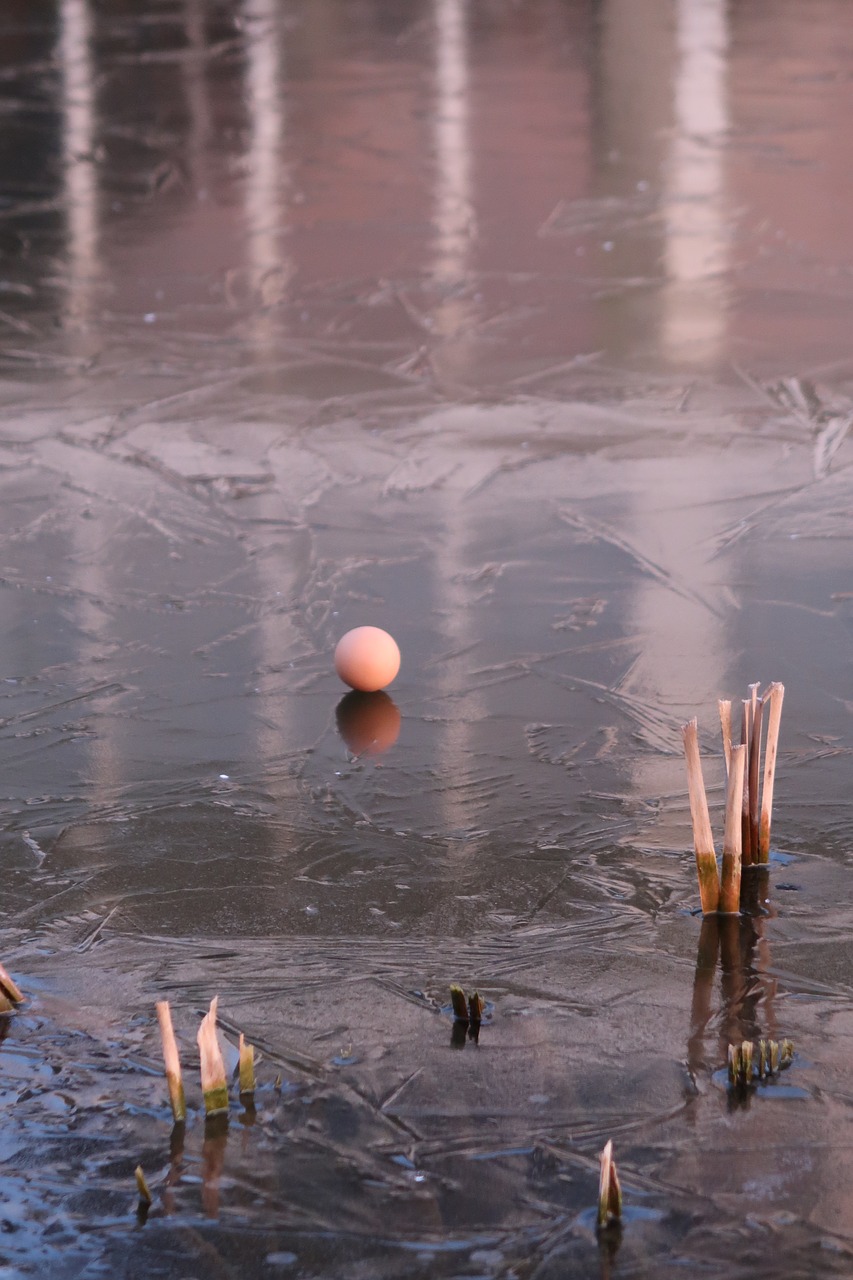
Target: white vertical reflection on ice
[(80, 196), (92, 552), (695, 204), (266, 177), (278, 639), (453, 210), (454, 224)]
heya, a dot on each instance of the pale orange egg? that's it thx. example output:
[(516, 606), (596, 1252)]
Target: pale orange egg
[(367, 658)]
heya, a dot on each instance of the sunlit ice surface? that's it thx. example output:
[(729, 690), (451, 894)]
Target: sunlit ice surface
[(522, 332)]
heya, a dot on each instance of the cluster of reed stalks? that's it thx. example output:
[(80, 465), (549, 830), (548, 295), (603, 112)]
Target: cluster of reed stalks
[(214, 1082), (466, 1009), (751, 1063), (749, 797)]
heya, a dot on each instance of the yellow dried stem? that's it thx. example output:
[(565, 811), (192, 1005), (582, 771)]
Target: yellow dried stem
[(754, 769), (774, 1057), (247, 1066), (476, 1005), (460, 1003), (725, 707), (706, 858), (172, 1062), (10, 988), (734, 1063), (746, 1054), (142, 1186), (732, 846), (746, 737), (609, 1189), (776, 695), (213, 1080)]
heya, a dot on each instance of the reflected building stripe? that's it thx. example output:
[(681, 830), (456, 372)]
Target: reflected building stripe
[(665, 70), (80, 179), (454, 216), (453, 221), (266, 178), (93, 551), (279, 730), (697, 249)]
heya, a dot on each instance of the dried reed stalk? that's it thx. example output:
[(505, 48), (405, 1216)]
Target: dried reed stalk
[(754, 771), (213, 1080), (725, 707), (247, 1067), (609, 1190), (9, 988), (732, 839), (775, 694), (460, 1003), (746, 738), (745, 1070), (142, 1186), (706, 858), (172, 1062)]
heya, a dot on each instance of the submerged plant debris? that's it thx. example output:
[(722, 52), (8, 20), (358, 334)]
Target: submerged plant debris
[(522, 332)]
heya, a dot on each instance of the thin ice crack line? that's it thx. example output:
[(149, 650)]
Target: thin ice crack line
[(612, 536)]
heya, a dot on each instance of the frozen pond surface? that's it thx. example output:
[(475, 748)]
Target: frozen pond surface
[(522, 331)]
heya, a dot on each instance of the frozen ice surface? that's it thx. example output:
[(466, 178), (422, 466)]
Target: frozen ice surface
[(521, 331)]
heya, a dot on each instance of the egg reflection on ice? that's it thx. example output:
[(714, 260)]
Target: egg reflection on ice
[(369, 723), (367, 658)]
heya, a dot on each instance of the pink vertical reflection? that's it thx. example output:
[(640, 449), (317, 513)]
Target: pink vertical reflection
[(454, 225), (696, 212), (78, 166), (454, 215), (266, 177)]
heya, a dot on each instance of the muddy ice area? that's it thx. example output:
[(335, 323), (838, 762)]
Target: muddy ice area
[(522, 332)]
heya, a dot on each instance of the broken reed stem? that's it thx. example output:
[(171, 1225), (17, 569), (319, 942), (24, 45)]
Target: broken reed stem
[(213, 1081), (609, 1189), (775, 694), (247, 1067), (9, 988), (172, 1062), (142, 1186), (732, 839), (725, 708), (703, 840), (746, 738), (754, 767), (460, 1003)]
